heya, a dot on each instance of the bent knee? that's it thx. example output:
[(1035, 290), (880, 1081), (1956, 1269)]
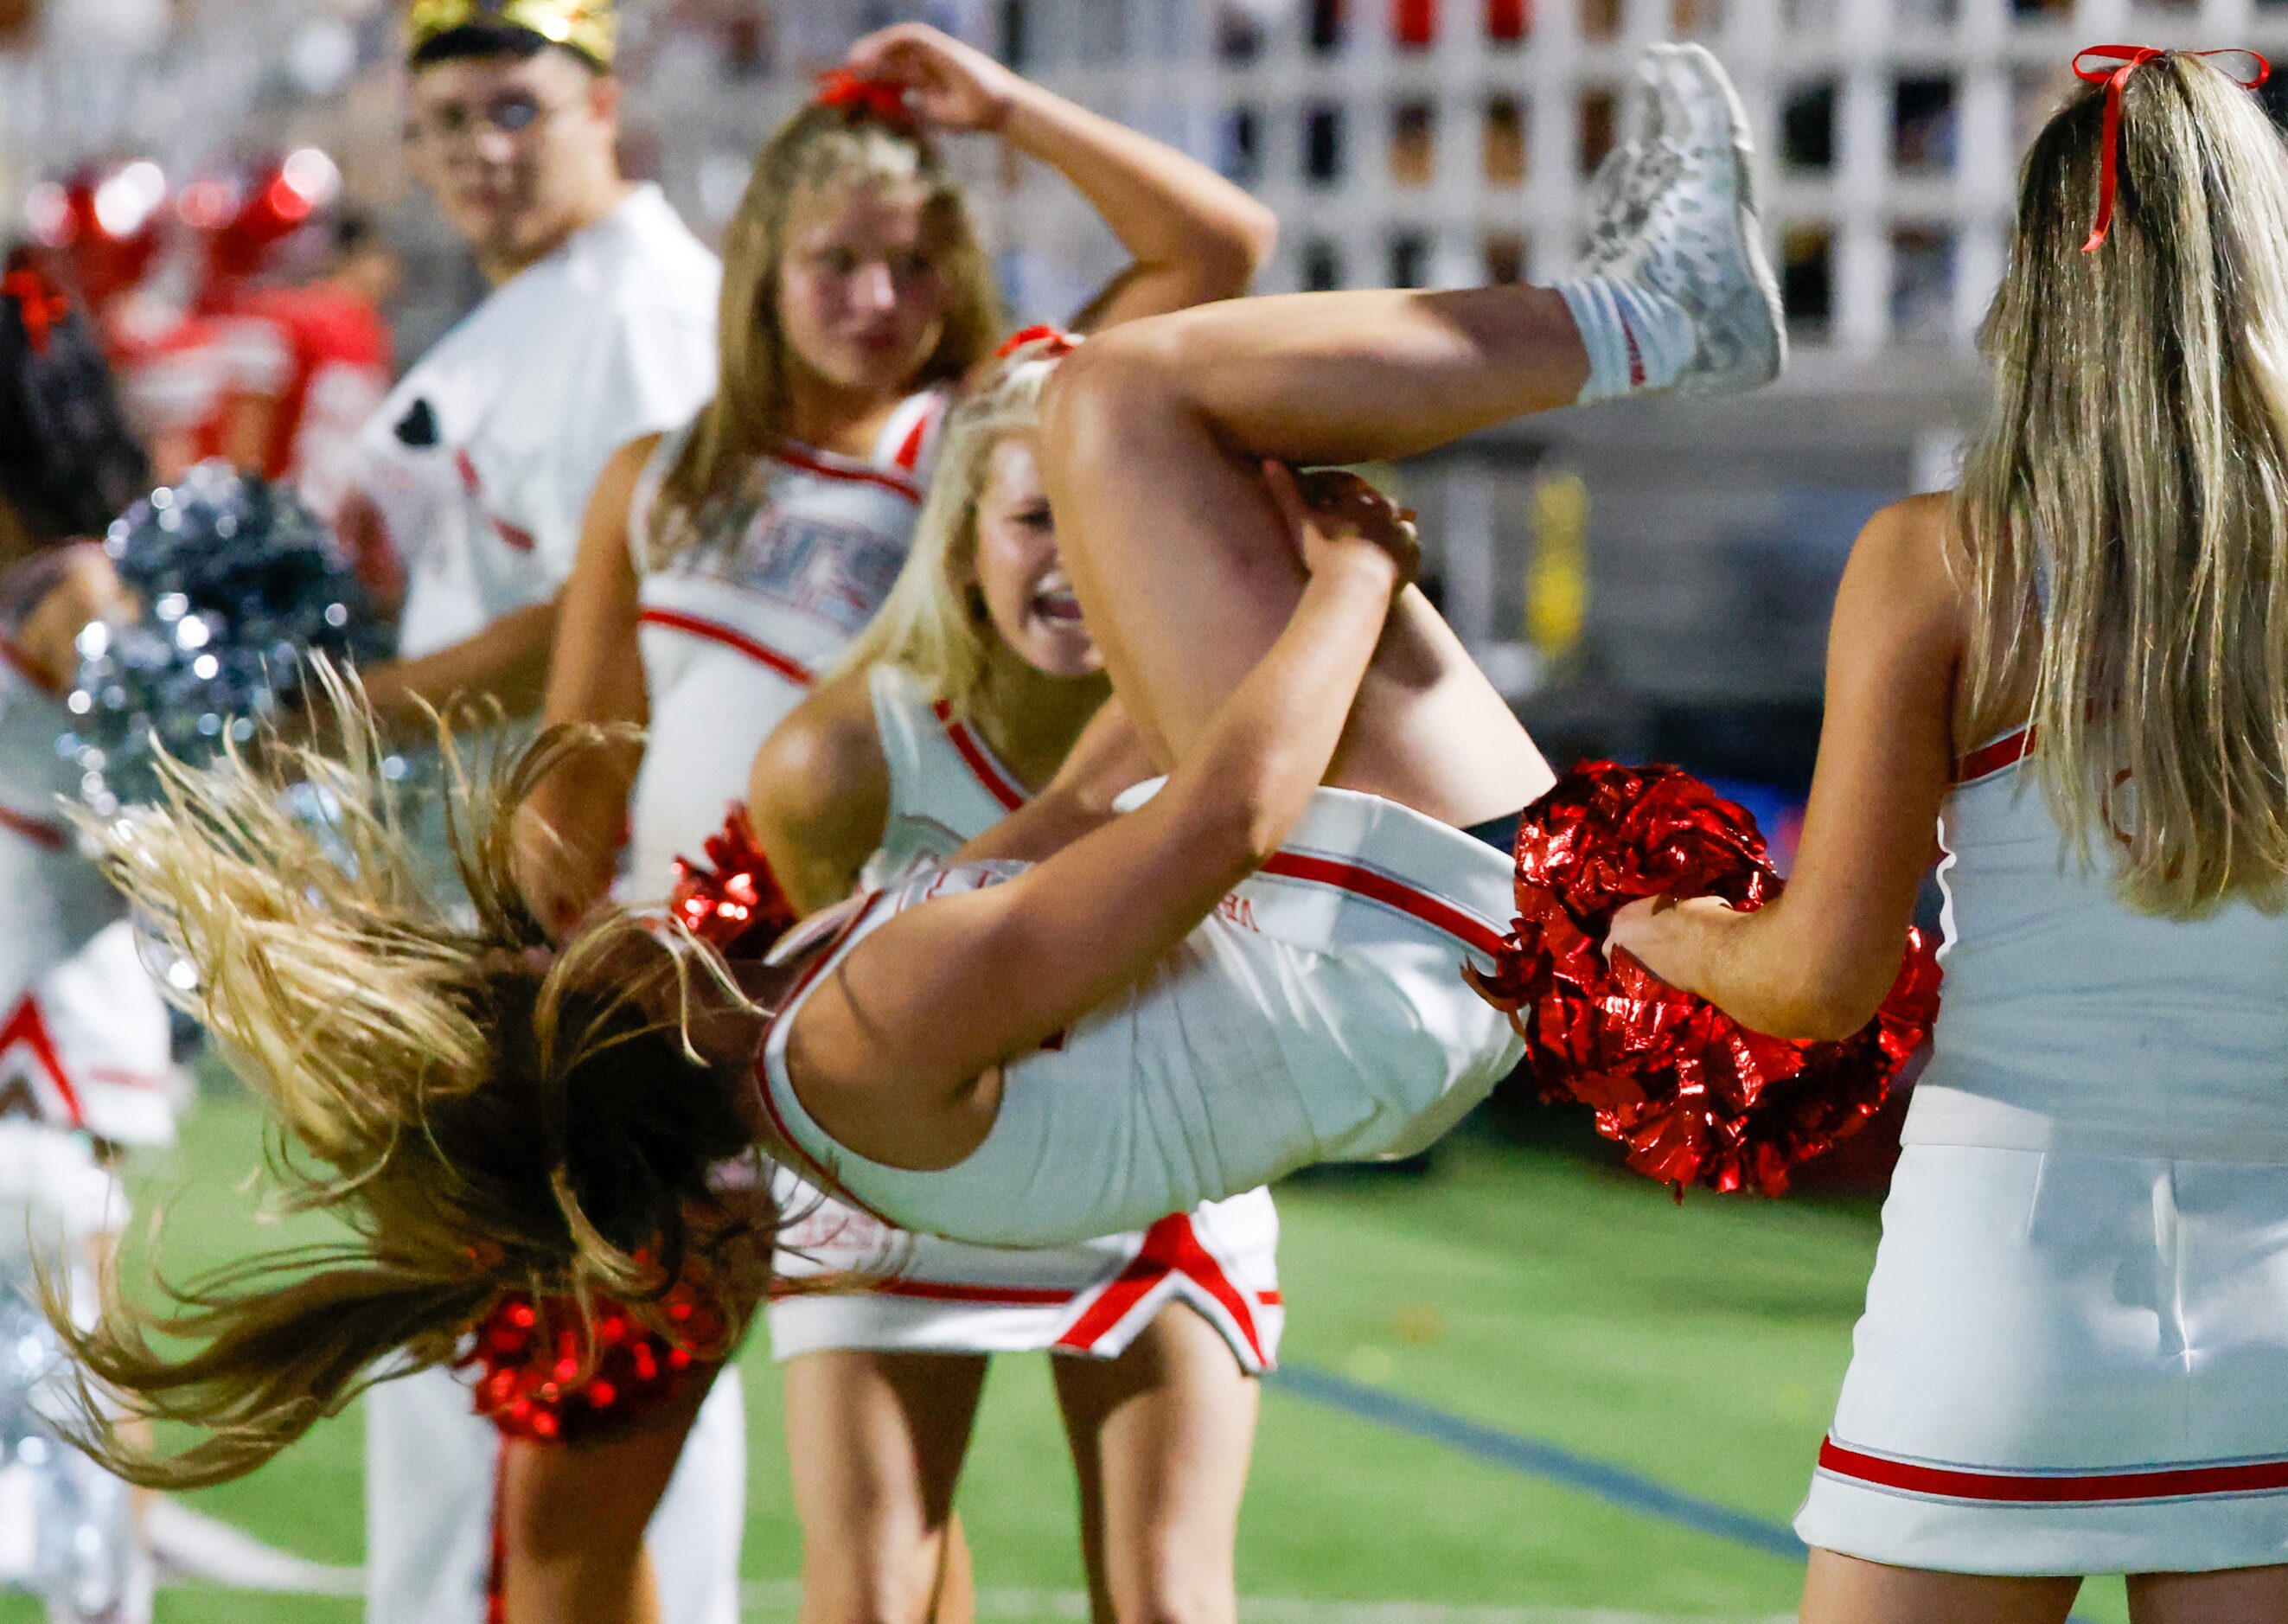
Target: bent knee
[(1105, 383)]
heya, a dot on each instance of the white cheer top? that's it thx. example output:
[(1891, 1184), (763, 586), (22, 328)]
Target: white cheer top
[(482, 461), (736, 624), (946, 786), (2070, 1021)]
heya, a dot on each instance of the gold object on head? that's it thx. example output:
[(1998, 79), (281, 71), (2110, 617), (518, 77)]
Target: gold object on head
[(588, 27)]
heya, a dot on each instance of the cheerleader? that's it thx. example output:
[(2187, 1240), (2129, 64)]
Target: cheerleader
[(85, 1061), (1123, 1000), (957, 704), (728, 563), (2073, 1354)]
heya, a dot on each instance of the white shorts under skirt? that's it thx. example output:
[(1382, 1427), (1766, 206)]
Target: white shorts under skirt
[(925, 1294), (2069, 1363)]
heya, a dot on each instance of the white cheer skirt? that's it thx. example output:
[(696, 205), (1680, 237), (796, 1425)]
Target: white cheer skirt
[(2069, 1363)]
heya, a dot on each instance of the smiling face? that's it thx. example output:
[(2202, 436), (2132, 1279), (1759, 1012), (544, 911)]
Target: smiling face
[(519, 151), (863, 290), (1028, 596)]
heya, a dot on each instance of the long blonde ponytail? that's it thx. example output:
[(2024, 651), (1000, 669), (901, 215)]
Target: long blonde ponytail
[(2124, 519)]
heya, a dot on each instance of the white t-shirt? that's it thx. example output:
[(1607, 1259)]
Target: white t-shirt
[(481, 460)]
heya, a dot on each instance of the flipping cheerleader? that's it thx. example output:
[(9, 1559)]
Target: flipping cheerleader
[(728, 561), (599, 326), (1096, 1017), (2073, 1358), (960, 701), (83, 1033)]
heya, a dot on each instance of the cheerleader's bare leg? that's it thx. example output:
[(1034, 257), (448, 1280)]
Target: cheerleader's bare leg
[(2256, 1594), (1161, 1439), (1155, 432), (1842, 1589), (878, 1441)]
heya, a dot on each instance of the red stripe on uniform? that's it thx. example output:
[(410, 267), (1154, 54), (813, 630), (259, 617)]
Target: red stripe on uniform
[(2066, 1488), (989, 772), (30, 1027), (1988, 759), (1171, 1247), (1381, 888), (797, 458), (55, 837), (1636, 355), (730, 637), (909, 453)]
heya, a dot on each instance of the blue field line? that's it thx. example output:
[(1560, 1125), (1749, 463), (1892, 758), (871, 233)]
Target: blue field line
[(1615, 1486), (1537, 1457)]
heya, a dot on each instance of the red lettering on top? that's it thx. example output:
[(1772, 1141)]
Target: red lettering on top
[(1240, 911)]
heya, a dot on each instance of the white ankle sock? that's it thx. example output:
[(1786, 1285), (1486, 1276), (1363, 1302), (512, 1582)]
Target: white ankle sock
[(1639, 339)]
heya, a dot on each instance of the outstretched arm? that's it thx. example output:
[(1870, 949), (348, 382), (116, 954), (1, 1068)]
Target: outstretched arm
[(892, 1054), (568, 832), (1194, 236), (1817, 962)]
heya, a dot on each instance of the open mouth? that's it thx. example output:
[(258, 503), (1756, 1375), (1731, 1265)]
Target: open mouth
[(1057, 605)]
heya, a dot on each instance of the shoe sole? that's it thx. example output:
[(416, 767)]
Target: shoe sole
[(1746, 221)]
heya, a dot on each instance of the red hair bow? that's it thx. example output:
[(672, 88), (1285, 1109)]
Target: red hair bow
[(882, 101), (45, 309), (2114, 65), (1055, 342)]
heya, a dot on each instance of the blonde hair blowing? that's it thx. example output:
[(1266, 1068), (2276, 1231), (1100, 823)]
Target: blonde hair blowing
[(816, 152), (483, 1115), (2124, 519), (929, 622)]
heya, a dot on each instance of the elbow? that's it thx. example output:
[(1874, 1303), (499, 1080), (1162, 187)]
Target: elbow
[(1239, 247), (1241, 830), (1821, 1011)]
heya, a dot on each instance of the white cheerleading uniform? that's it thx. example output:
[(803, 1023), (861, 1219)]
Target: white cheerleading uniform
[(480, 464), (925, 1293), (2074, 1357), (84, 1031), (1319, 1015), (736, 624)]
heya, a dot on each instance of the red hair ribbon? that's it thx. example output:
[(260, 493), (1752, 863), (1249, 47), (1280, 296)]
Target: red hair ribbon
[(43, 309), (2114, 64), (1055, 341), (881, 100)]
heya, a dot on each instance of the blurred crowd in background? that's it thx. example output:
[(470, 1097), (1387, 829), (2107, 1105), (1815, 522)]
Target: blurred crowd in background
[(225, 182)]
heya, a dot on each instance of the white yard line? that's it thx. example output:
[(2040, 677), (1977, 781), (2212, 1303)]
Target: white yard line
[(772, 1602), (203, 1550)]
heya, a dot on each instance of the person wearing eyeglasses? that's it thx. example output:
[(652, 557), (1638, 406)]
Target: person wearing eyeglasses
[(473, 479)]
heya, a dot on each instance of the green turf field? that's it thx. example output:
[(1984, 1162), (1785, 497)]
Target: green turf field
[(1530, 1290)]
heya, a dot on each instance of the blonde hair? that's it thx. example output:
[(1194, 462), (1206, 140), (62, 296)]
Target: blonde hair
[(483, 1114), (819, 149), (932, 623), (2123, 521)]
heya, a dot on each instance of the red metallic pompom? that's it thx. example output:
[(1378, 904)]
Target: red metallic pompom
[(732, 902), (1695, 1096), (544, 1375)]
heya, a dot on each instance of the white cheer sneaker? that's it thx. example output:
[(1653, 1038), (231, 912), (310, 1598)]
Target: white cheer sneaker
[(1673, 211)]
